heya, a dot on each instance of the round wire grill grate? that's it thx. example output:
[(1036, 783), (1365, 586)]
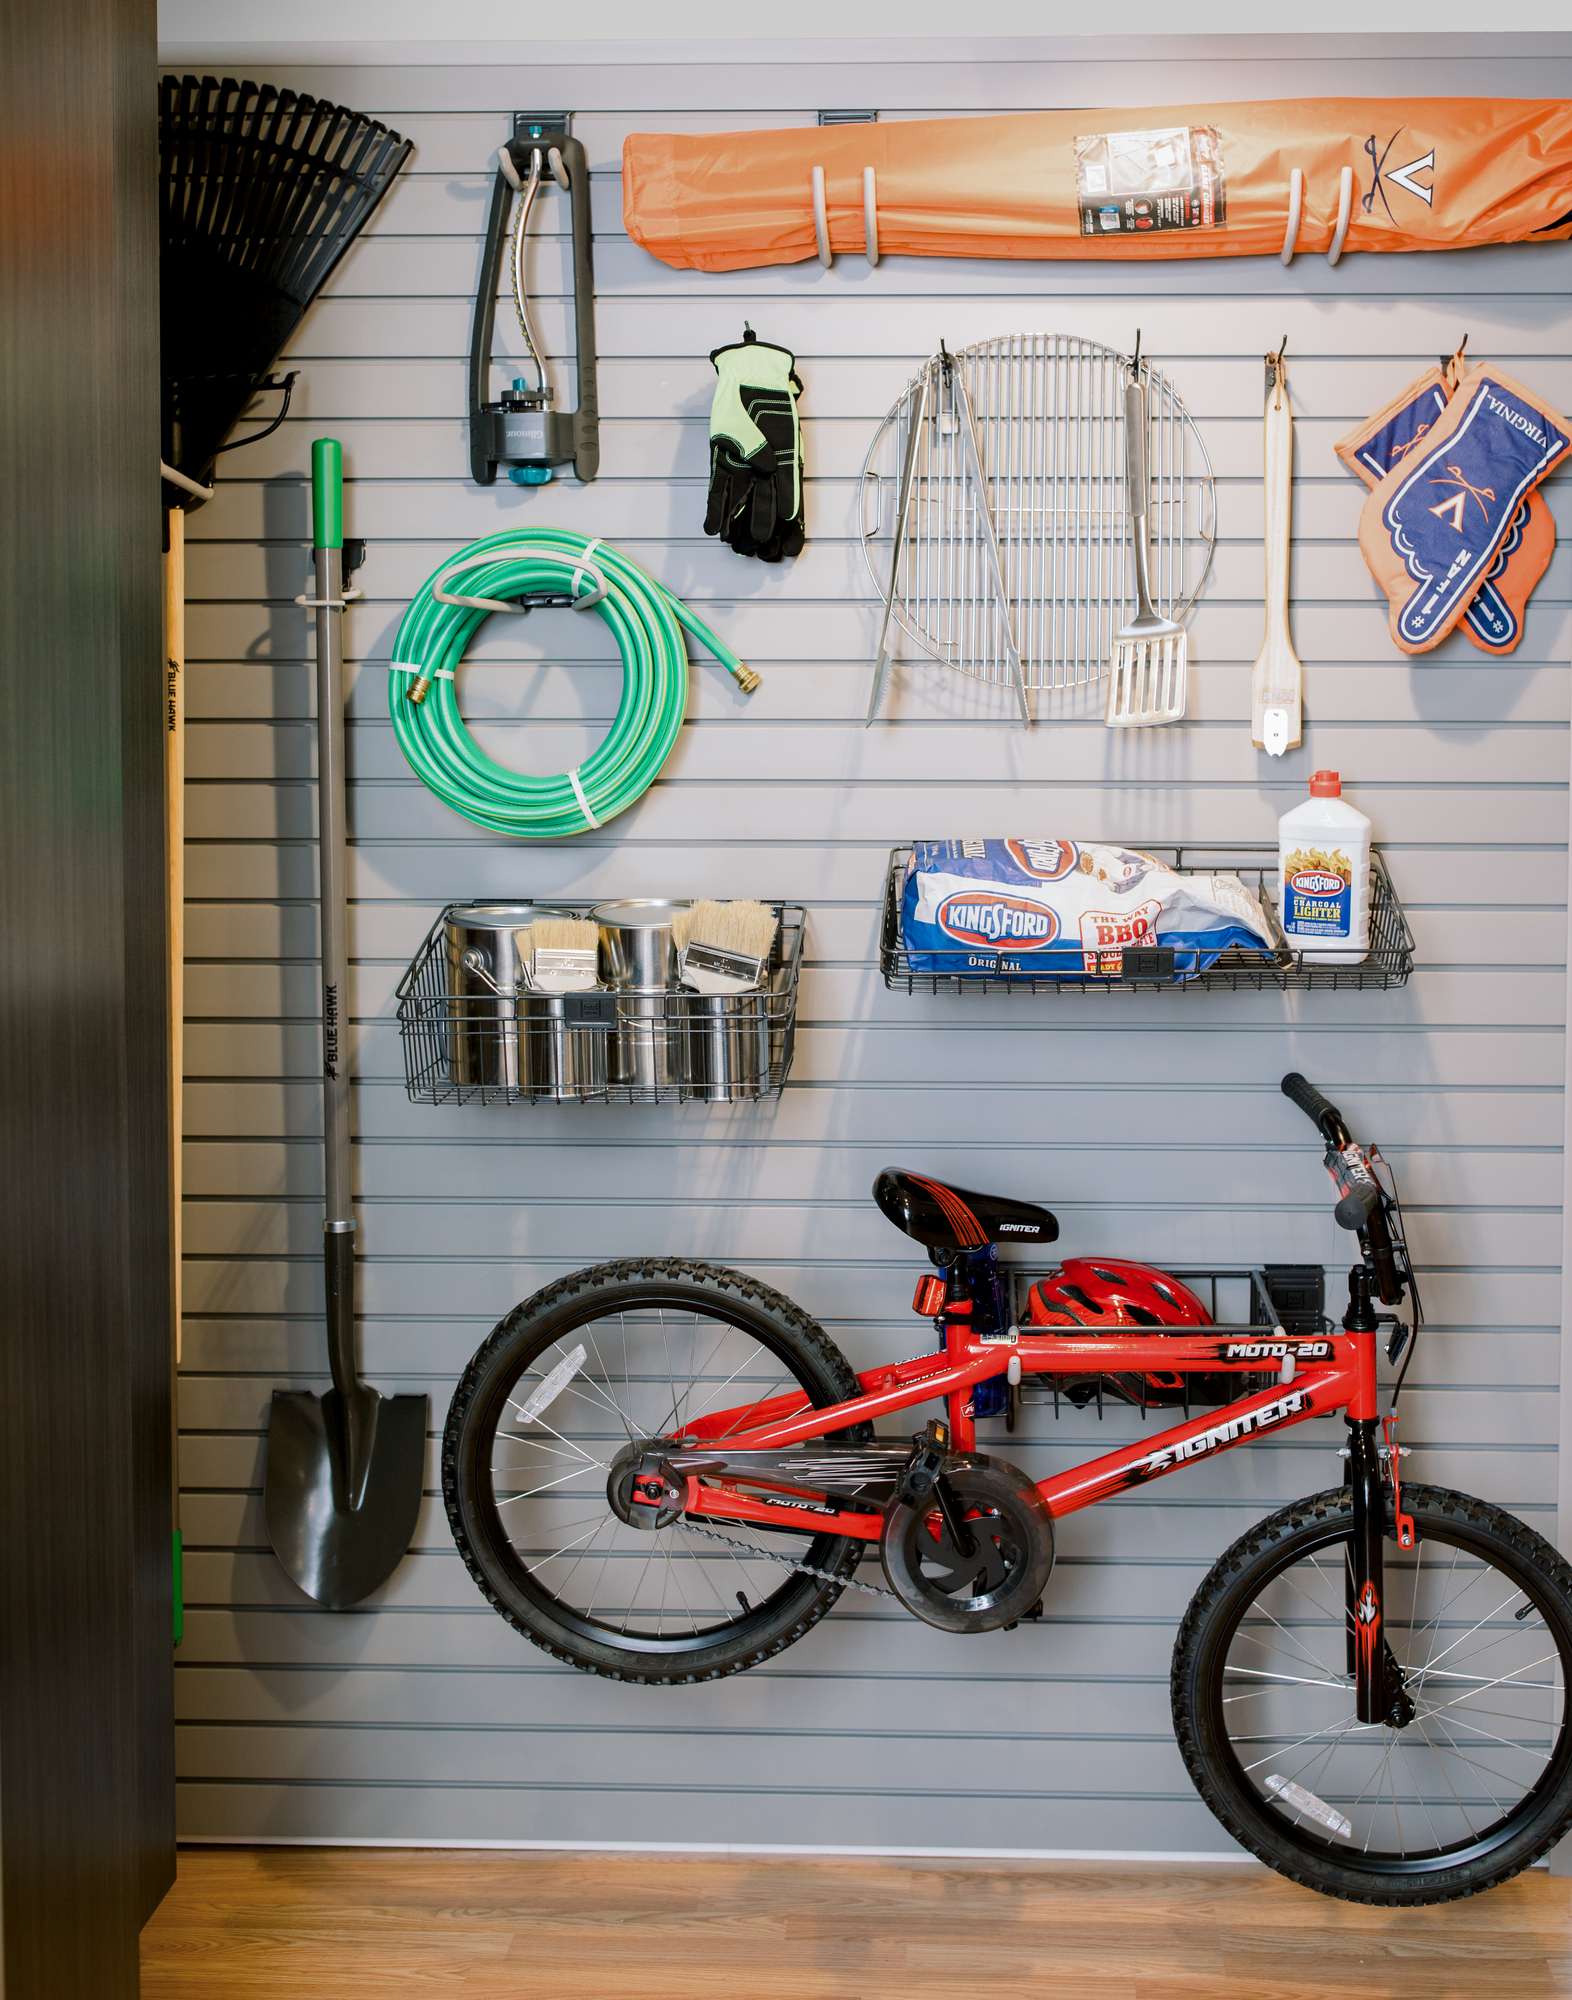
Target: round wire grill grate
[(1049, 411)]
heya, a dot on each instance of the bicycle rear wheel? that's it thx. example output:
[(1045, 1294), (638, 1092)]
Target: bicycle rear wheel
[(1467, 1781), (624, 1351)]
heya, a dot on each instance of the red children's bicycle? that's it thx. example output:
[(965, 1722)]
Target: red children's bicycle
[(664, 1471)]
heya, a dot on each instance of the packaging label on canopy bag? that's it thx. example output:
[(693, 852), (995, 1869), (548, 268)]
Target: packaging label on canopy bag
[(1127, 182)]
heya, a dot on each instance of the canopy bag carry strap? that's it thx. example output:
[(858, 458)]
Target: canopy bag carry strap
[(755, 494)]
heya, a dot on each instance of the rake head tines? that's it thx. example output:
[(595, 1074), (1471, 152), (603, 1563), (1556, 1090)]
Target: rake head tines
[(1147, 681)]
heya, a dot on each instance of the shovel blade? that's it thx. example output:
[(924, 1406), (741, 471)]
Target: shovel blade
[(336, 1552)]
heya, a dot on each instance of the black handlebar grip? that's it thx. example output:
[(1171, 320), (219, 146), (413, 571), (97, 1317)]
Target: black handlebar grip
[(1356, 1207), (1316, 1108)]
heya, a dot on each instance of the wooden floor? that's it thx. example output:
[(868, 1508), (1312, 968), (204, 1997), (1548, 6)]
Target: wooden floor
[(328, 1923)]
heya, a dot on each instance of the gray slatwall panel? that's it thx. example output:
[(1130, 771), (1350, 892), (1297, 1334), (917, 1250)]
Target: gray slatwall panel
[(1152, 1125)]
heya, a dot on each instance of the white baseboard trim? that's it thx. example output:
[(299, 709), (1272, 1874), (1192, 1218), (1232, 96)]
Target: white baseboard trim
[(1147, 1857)]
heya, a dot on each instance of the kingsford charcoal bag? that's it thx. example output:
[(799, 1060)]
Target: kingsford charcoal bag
[(1067, 907)]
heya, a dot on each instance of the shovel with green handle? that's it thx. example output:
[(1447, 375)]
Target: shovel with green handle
[(345, 1470)]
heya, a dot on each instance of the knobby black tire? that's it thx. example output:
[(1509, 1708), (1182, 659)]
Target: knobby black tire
[(1302, 1852), (786, 1614)]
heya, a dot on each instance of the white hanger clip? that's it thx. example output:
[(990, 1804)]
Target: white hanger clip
[(821, 219), (870, 217), (1296, 202), (1345, 209)]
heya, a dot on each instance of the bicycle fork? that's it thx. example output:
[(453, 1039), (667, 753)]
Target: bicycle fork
[(1362, 1576)]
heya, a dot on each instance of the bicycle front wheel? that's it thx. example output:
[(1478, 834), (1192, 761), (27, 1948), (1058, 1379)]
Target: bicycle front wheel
[(633, 1351), (1467, 1780)]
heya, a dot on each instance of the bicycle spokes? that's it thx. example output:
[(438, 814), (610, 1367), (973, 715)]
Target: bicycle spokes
[(1471, 1725)]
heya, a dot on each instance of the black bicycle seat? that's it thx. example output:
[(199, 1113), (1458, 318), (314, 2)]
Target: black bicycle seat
[(950, 1218)]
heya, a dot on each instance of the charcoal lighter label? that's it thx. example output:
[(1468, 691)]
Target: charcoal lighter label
[(1318, 894)]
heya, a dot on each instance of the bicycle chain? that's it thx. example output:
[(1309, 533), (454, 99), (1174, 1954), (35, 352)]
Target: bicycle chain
[(790, 1562)]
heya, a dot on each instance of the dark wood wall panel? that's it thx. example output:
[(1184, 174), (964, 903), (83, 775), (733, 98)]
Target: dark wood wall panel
[(85, 1681)]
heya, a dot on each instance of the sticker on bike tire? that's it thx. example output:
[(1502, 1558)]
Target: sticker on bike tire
[(546, 1392), (1127, 183), (1308, 1805)]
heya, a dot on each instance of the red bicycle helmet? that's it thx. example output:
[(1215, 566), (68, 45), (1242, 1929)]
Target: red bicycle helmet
[(1110, 1294)]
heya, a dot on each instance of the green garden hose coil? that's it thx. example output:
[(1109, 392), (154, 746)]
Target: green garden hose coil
[(521, 569)]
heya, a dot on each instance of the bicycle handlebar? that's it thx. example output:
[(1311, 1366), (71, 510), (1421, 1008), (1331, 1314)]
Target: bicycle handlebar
[(1360, 1205), (1322, 1113)]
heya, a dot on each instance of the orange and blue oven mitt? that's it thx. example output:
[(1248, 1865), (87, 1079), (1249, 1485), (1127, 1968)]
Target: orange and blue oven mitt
[(1454, 529)]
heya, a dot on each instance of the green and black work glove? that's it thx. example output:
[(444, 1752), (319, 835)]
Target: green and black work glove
[(755, 499)]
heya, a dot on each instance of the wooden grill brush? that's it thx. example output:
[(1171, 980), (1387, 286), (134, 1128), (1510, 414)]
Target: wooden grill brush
[(1275, 683)]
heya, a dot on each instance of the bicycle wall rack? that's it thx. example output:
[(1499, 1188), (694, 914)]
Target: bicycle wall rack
[(1152, 969), (605, 1046), (1287, 1296)]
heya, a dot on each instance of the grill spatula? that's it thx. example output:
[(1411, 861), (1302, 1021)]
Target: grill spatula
[(1148, 676)]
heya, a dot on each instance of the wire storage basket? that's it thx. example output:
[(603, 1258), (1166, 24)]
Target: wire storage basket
[(606, 1046), (1158, 968)]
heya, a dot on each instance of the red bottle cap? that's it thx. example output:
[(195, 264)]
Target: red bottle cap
[(1325, 785)]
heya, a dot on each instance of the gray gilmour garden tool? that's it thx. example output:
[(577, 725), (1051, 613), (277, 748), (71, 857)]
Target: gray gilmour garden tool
[(345, 1470)]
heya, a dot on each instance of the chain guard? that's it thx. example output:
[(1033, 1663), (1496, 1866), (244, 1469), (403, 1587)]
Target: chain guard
[(1000, 1578)]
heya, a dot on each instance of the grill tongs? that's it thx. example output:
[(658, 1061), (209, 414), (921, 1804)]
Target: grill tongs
[(942, 386)]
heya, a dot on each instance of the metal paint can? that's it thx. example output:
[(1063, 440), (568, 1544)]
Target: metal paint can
[(567, 1041), (639, 960), (483, 960)]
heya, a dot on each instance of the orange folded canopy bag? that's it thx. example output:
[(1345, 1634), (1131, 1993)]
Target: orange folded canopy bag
[(1193, 180)]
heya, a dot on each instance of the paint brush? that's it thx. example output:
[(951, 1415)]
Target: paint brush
[(566, 955), (728, 946)]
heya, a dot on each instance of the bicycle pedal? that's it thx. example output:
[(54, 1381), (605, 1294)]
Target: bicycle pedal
[(930, 1453)]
